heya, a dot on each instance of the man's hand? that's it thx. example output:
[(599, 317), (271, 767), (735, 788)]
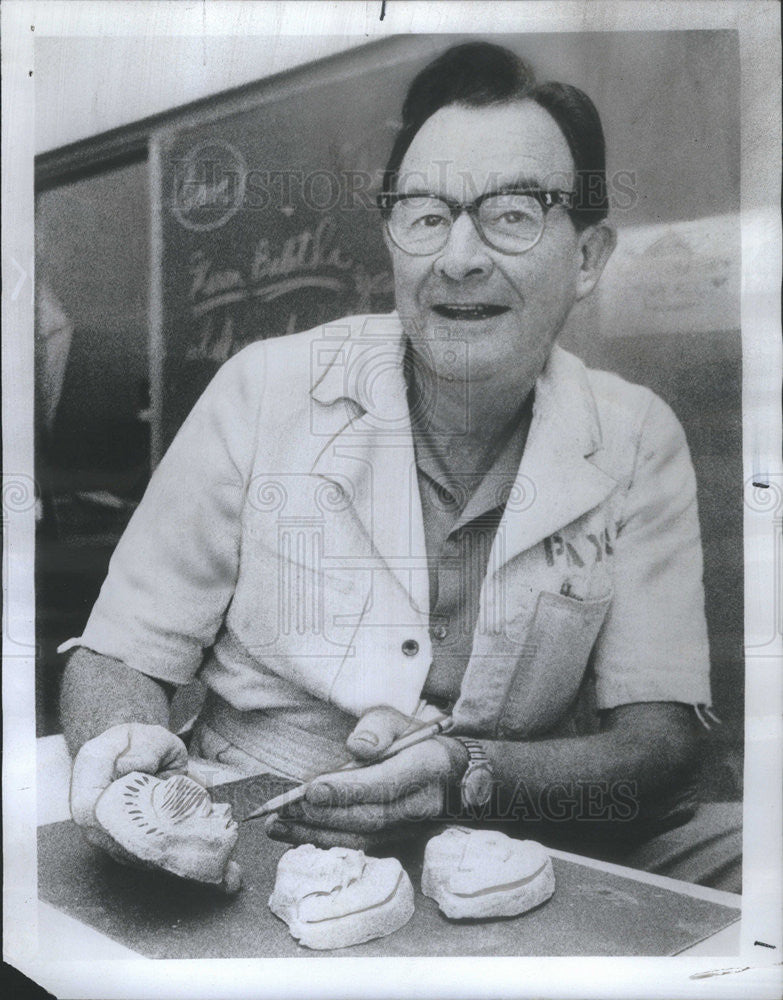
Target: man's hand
[(131, 746), (377, 803)]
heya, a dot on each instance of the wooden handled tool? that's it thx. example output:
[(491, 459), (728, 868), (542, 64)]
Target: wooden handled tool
[(425, 732)]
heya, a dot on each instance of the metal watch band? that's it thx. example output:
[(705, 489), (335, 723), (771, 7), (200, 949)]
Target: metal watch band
[(479, 779)]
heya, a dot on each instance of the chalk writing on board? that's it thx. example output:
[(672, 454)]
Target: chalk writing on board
[(309, 260)]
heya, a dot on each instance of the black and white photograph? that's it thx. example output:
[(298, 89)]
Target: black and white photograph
[(392, 498)]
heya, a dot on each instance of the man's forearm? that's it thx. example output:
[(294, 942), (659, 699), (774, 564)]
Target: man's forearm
[(646, 750), (99, 692)]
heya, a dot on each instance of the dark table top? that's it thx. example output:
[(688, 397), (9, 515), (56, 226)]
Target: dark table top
[(593, 912)]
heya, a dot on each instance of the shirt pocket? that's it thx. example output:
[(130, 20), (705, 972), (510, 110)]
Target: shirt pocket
[(552, 665)]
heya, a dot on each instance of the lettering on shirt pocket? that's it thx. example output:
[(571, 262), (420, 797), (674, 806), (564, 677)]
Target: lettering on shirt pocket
[(552, 666)]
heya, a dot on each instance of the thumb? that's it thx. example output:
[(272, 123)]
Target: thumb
[(377, 729), (154, 750)]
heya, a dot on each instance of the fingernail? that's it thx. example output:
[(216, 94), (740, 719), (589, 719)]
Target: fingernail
[(320, 794), (366, 736)]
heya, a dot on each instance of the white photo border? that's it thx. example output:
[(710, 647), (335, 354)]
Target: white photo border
[(756, 970)]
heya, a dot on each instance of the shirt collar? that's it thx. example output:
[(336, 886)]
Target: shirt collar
[(486, 488), (361, 360)]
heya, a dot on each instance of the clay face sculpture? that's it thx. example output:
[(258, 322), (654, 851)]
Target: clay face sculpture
[(481, 873), (172, 824), (340, 897)]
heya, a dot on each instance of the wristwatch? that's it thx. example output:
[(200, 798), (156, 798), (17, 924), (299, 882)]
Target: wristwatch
[(479, 779)]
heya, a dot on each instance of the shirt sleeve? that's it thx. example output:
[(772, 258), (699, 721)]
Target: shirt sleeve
[(173, 572), (653, 645)]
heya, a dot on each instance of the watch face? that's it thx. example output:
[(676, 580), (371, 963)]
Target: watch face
[(477, 785)]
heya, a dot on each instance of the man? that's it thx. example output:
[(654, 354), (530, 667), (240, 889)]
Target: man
[(365, 526)]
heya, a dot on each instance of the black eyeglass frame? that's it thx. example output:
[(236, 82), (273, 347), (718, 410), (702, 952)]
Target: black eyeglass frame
[(546, 199)]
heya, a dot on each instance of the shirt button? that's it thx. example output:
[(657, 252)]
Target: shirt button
[(440, 631), (410, 647)]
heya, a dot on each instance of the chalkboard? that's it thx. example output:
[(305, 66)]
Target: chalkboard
[(269, 218)]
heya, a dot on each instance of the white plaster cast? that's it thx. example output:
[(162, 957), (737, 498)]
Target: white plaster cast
[(340, 897), (484, 873)]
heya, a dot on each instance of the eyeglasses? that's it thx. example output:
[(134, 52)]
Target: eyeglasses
[(509, 221)]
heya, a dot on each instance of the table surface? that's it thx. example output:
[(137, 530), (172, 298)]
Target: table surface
[(66, 935)]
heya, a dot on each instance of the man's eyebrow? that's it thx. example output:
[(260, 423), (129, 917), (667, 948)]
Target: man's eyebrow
[(517, 184)]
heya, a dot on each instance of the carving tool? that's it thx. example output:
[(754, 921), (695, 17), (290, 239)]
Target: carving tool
[(425, 732)]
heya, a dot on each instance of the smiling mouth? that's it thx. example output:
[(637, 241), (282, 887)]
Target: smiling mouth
[(474, 311)]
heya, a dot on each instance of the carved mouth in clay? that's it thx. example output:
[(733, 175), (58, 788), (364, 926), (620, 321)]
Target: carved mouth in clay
[(505, 887), (338, 916)]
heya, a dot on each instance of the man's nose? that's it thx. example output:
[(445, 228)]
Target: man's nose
[(465, 254)]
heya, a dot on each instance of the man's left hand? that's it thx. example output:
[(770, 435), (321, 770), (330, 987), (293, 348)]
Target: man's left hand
[(377, 803)]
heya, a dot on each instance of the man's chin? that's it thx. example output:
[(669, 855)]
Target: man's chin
[(455, 359), (464, 342)]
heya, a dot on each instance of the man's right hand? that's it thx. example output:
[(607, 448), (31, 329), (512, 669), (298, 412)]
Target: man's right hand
[(130, 746)]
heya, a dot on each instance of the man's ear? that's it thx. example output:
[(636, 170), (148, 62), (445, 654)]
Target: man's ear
[(387, 240), (596, 244)]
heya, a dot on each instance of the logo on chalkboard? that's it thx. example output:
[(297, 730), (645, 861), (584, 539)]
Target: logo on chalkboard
[(209, 185)]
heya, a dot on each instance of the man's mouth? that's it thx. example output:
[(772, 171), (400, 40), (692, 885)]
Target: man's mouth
[(473, 311)]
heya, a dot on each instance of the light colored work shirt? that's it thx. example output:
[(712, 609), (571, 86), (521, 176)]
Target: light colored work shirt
[(280, 553)]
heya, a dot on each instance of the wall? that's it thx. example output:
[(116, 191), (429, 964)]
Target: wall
[(83, 88)]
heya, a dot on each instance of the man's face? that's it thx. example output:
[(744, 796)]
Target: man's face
[(171, 822), (518, 302), (186, 812)]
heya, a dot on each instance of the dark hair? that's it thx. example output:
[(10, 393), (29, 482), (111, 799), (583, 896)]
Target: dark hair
[(478, 74)]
